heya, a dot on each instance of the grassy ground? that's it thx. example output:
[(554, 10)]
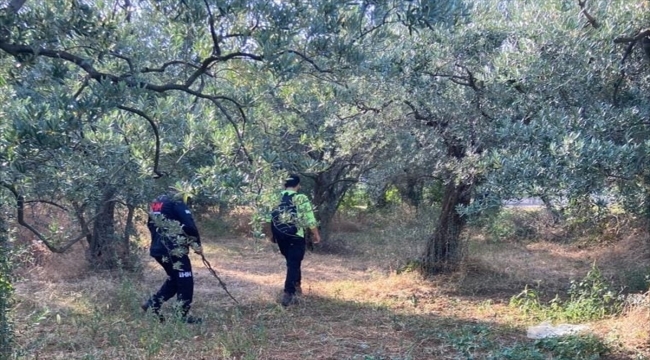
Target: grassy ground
[(355, 306)]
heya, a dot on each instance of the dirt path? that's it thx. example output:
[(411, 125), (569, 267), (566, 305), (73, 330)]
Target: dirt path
[(256, 274), (354, 306)]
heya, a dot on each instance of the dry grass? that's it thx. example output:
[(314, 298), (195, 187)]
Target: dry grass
[(632, 330), (499, 271), (355, 305)]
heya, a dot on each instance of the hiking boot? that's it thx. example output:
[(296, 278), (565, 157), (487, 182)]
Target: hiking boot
[(146, 305), (289, 299), (191, 319)]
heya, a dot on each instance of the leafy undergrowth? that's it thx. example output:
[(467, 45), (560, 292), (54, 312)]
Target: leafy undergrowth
[(355, 306)]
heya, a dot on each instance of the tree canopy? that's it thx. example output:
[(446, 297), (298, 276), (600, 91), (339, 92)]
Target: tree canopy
[(108, 103)]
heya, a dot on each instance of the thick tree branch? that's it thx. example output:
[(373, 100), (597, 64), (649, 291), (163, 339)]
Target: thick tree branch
[(129, 227), (216, 50), (79, 212), (583, 9), (461, 80), (22, 50), (619, 82), (127, 8), (205, 65), (416, 113), (307, 59), (429, 120), (336, 182), (628, 51), (46, 202), (164, 67), (633, 39), (20, 209), (468, 80), (125, 58), (154, 127), (16, 5), (83, 87)]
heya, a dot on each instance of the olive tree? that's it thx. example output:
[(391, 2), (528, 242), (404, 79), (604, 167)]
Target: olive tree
[(589, 139), (317, 116), (497, 107), (111, 101)]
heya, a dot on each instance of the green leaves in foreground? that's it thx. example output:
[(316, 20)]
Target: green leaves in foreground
[(482, 342), (561, 348), (589, 299)]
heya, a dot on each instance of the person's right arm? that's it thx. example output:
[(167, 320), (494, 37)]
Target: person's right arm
[(316, 234)]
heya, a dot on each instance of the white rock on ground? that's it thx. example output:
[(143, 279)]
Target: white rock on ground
[(546, 330)]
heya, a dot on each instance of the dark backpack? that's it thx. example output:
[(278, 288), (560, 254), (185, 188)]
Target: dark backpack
[(284, 218)]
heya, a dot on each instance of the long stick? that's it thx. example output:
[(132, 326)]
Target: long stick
[(214, 273)]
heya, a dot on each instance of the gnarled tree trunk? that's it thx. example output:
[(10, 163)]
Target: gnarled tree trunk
[(105, 246), (556, 215), (327, 198), (329, 188), (411, 186), (6, 292), (444, 249)]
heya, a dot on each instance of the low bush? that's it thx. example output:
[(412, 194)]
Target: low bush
[(591, 298)]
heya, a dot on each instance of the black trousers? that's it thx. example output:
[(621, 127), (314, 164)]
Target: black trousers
[(293, 249), (180, 282)]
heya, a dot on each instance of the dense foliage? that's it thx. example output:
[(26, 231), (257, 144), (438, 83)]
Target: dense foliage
[(109, 103)]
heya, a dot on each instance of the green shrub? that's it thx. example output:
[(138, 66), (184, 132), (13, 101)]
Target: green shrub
[(480, 341), (574, 347), (501, 227), (589, 299), (354, 201), (505, 224), (592, 298), (528, 301)]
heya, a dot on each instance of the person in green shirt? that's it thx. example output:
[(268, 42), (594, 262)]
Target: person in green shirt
[(289, 234)]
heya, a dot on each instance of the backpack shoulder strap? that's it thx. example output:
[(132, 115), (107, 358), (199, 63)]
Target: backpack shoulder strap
[(288, 197)]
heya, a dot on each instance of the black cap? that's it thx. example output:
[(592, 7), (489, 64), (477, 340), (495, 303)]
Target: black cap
[(292, 181)]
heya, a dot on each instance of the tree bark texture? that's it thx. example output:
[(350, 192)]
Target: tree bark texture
[(444, 250), (105, 246), (6, 292), (329, 188)]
